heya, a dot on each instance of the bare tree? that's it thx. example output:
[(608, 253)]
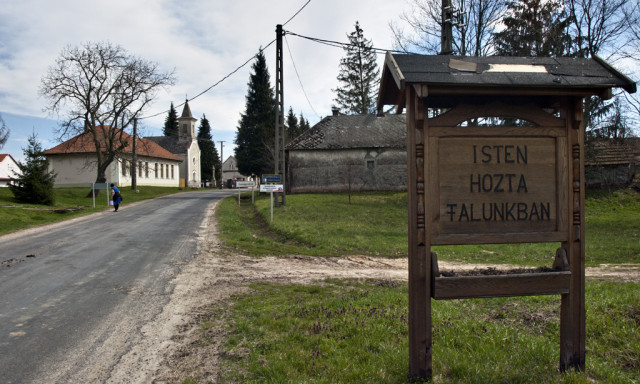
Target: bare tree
[(472, 35), (4, 132), (606, 28), (101, 89)]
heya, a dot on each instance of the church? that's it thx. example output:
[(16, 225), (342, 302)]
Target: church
[(185, 146)]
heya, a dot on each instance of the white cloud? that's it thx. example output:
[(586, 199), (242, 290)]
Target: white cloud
[(203, 40)]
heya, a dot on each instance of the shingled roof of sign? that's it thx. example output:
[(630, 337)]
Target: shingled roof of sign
[(512, 72)]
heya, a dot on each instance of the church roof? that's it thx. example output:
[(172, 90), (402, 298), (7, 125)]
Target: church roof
[(354, 131), (172, 144), (186, 111), (84, 143)]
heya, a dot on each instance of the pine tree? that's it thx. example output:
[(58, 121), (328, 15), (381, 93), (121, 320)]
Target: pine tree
[(208, 153), (303, 124), (34, 185), (359, 76), (171, 125), (292, 126), (256, 130), (534, 28)]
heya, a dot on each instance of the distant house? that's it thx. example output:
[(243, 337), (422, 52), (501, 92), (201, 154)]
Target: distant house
[(185, 146), (230, 173), (610, 163), (357, 152), (8, 169), (74, 162)]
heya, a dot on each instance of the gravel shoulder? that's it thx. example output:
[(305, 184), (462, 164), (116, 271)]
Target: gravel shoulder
[(172, 347)]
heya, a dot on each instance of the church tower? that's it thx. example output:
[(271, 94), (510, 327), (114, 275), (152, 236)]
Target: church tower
[(187, 124)]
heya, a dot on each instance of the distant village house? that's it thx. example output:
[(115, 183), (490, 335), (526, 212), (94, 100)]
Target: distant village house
[(8, 169), (350, 152)]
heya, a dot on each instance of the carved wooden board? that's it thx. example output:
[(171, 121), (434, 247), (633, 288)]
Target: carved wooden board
[(493, 188)]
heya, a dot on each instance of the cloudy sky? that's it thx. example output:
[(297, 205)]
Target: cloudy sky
[(202, 40)]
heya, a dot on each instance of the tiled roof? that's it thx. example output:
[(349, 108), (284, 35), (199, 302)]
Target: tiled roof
[(610, 153), (83, 143), (354, 131)]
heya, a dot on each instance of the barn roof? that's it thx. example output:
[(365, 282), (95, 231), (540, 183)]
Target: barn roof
[(444, 74), (609, 152), (354, 131)]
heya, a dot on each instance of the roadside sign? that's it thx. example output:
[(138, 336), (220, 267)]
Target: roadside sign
[(271, 179), (271, 188), (244, 184)]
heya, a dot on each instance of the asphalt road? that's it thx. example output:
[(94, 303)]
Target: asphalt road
[(74, 295)]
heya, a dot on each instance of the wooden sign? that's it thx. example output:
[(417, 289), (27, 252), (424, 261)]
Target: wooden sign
[(496, 189)]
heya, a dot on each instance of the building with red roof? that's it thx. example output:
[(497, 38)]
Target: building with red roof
[(8, 169), (74, 161)]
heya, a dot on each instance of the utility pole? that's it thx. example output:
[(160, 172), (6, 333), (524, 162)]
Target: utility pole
[(279, 136), (446, 36), (134, 157), (221, 161)]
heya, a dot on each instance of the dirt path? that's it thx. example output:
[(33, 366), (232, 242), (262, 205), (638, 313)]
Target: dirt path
[(172, 348)]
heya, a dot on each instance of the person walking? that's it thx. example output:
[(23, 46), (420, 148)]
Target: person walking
[(116, 197)]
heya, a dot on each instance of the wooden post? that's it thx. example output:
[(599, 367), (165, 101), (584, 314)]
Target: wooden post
[(134, 157), (572, 312), (420, 342)]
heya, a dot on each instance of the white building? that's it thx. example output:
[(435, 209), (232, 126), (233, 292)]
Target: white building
[(8, 169), (74, 162)]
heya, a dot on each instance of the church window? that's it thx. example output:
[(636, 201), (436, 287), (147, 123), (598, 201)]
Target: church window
[(146, 169), (156, 170), (172, 174), (124, 167)]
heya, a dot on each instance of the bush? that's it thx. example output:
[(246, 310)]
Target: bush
[(34, 184)]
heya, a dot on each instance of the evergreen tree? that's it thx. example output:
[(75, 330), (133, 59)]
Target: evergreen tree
[(208, 153), (359, 76), (256, 130), (534, 28), (171, 125), (303, 124), (292, 126), (35, 183)]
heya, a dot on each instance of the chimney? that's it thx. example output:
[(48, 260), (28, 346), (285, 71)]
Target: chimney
[(335, 111)]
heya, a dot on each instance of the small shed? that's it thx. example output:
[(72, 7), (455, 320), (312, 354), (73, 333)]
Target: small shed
[(611, 163), (350, 152), (495, 154)]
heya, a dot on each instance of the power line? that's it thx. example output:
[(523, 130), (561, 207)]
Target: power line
[(296, 14), (338, 44), (232, 72), (298, 76)]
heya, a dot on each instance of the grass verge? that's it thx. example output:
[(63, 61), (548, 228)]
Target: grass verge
[(356, 332), (375, 224), (70, 202)]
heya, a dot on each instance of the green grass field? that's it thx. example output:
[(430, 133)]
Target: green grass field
[(356, 331), (376, 224)]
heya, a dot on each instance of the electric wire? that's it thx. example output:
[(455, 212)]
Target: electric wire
[(232, 72), (338, 44), (298, 76)]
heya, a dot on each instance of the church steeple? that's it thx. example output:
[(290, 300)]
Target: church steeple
[(187, 124)]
